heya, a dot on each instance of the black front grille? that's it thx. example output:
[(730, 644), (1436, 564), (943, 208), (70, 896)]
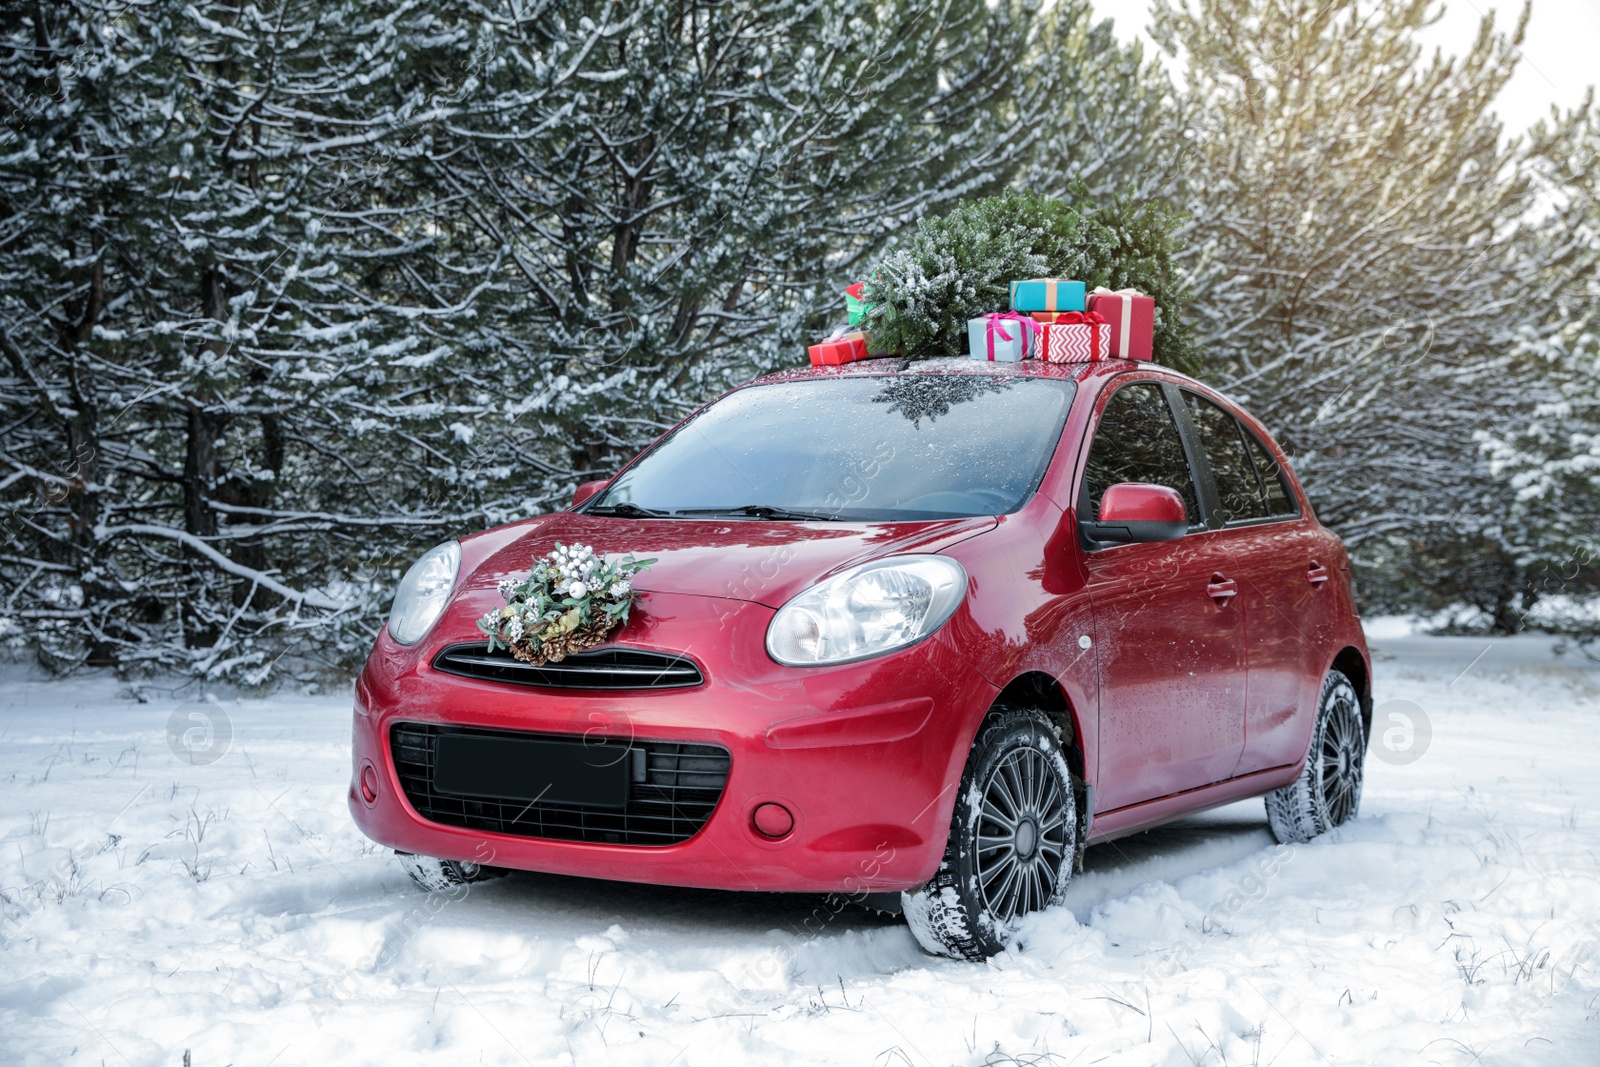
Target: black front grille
[(674, 789), (599, 668)]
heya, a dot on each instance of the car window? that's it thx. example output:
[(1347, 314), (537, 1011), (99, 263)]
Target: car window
[(1137, 441), (880, 448), (1280, 500), (1238, 487)]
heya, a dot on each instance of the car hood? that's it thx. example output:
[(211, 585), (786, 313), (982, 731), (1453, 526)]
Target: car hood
[(742, 559)]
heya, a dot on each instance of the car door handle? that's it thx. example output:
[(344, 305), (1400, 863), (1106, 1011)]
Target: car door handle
[(1316, 574), (1222, 588)]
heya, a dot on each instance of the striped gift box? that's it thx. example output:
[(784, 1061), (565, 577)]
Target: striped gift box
[(1084, 341)]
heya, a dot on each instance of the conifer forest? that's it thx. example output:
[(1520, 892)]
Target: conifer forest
[(291, 290)]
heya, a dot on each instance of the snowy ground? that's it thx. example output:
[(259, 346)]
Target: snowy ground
[(231, 908)]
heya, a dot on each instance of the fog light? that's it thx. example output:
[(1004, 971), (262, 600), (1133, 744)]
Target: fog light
[(369, 783), (772, 820)]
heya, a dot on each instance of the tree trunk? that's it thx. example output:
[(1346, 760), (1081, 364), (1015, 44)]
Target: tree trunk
[(200, 471), (255, 493), (1510, 612)]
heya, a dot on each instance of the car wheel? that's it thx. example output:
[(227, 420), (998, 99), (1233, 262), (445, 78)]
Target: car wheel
[(1328, 791), (1012, 840), (442, 876)]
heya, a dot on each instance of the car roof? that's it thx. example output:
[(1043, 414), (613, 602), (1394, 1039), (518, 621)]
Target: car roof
[(1028, 368)]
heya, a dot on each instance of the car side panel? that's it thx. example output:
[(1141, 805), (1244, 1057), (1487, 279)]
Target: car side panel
[(1298, 625), (1290, 635), (1335, 608), (1172, 670), (1037, 625)]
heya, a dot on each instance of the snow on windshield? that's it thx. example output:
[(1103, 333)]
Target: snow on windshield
[(913, 446)]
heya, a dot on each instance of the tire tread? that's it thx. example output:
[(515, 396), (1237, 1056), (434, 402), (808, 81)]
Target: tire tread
[(1295, 813), (940, 917)]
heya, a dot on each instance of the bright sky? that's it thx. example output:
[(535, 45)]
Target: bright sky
[(1561, 54)]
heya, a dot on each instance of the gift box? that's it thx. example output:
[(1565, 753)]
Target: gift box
[(840, 349), (1002, 338), (1044, 318), (1132, 317), (1047, 294), (855, 307), (1085, 339)]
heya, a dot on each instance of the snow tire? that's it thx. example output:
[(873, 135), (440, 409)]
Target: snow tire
[(1013, 840), (1328, 791)]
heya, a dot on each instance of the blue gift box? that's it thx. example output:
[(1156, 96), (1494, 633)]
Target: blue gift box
[(1001, 338), (1048, 294)]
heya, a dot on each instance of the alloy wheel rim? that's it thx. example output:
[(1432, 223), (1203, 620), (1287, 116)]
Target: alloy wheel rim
[(1022, 834), (1342, 745)]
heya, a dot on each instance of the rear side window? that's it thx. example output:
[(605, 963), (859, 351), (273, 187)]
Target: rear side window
[(1274, 483), (1137, 441), (1238, 487)]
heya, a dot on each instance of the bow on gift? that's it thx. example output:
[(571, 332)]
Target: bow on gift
[(1090, 318), (999, 323)]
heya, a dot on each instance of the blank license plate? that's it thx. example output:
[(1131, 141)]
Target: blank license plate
[(547, 772)]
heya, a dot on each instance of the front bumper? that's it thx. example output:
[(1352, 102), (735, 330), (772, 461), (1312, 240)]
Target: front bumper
[(866, 756)]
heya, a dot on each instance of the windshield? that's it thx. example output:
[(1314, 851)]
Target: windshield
[(912, 446)]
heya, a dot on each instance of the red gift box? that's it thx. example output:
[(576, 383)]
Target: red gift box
[(1132, 316), (1045, 318), (1078, 337), (839, 350)]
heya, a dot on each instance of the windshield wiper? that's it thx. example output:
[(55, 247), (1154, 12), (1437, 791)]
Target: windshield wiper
[(763, 511), (629, 511)]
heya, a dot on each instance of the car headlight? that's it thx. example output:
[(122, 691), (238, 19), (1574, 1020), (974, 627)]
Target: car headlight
[(867, 611), (423, 593)]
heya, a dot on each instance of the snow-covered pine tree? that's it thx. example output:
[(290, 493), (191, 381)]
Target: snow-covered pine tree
[(1106, 114), (1540, 523), (292, 292), (1368, 251), (82, 178), (681, 191), (1100, 121), (215, 280), (959, 266)]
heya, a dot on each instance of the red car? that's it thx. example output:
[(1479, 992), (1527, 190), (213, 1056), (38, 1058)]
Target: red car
[(921, 628)]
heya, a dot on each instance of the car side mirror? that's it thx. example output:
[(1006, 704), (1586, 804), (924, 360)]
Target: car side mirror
[(1139, 512), (588, 489)]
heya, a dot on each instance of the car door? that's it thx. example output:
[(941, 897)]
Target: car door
[(1170, 638), (1274, 559)]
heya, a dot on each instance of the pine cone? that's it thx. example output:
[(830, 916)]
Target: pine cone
[(556, 649)]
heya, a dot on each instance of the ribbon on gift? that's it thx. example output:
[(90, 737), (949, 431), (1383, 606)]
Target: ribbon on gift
[(993, 324), (1052, 293), (997, 323), (1126, 332), (1093, 319)]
